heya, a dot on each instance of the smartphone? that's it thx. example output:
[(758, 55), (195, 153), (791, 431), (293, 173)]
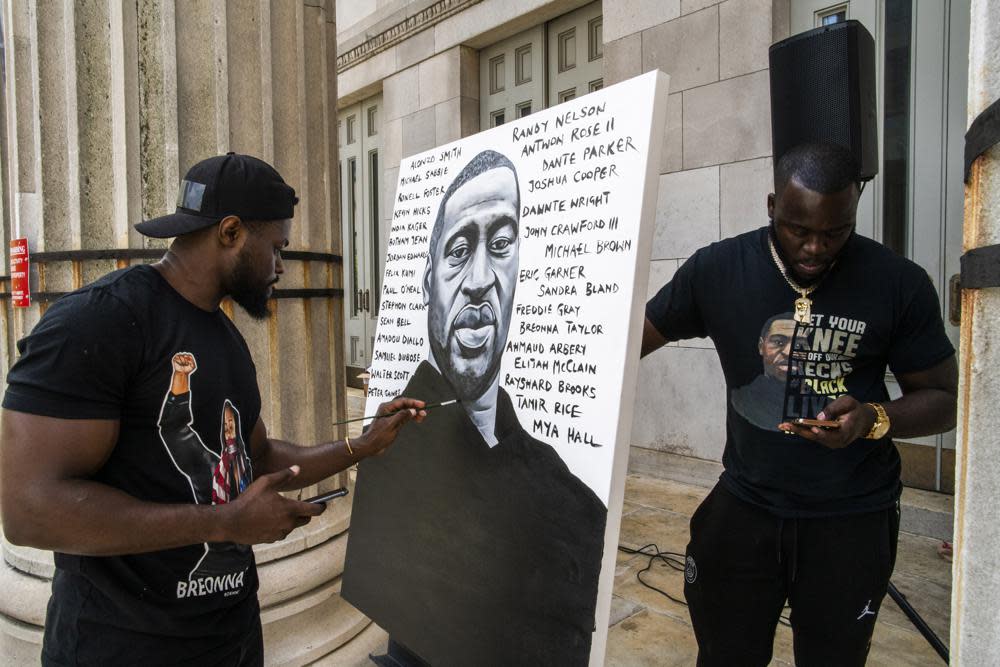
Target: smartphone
[(821, 423), (324, 498)]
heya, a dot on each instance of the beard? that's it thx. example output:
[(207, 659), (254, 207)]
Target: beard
[(247, 289)]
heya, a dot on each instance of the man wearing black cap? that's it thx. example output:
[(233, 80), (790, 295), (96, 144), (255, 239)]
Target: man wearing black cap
[(124, 429), (801, 514)]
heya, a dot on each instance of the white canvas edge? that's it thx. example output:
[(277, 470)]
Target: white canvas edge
[(630, 375)]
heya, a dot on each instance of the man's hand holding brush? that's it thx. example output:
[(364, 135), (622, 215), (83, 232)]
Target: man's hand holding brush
[(388, 419)]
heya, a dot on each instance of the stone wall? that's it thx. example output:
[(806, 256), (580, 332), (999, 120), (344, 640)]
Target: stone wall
[(715, 176), (425, 105), (107, 105)]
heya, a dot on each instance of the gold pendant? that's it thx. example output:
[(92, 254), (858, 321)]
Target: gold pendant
[(803, 310)]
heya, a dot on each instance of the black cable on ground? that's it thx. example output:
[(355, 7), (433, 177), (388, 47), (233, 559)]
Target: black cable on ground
[(671, 559), (674, 561)]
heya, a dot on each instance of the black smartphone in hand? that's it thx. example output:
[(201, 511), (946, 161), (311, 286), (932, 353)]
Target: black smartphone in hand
[(324, 498), (821, 423)]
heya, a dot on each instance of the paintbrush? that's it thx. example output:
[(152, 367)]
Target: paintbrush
[(426, 407)]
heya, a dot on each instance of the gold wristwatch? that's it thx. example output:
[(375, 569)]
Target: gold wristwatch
[(881, 425)]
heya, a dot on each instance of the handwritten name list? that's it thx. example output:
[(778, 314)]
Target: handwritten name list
[(581, 169)]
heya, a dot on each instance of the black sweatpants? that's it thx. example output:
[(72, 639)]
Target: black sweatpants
[(743, 563)]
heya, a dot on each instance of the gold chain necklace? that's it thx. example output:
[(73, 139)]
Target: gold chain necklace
[(803, 305)]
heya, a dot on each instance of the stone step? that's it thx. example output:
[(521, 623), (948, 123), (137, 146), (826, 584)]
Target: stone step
[(925, 513)]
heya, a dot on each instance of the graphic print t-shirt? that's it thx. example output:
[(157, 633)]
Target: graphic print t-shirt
[(873, 310), (181, 382)]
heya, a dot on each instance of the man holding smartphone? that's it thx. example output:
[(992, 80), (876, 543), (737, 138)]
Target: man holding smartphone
[(133, 444), (802, 513)]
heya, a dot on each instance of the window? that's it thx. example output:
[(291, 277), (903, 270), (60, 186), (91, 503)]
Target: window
[(837, 17), (522, 65), (567, 50), (340, 183), (544, 65), (354, 252), (372, 121), (351, 122), (831, 15), (497, 75), (896, 123), (373, 195), (595, 38)]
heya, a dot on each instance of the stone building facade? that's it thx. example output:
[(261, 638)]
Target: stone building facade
[(426, 66), (108, 103)]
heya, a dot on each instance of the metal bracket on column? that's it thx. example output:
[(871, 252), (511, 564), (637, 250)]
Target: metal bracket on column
[(983, 134), (156, 253), (306, 293), (981, 267)]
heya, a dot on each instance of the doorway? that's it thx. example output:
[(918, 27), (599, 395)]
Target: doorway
[(360, 176)]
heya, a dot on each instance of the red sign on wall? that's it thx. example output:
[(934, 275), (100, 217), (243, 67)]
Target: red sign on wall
[(20, 293)]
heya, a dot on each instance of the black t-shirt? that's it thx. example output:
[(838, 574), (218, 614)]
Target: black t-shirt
[(872, 310), (109, 351)]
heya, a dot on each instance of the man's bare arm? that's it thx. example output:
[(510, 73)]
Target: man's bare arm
[(320, 461), (48, 500), (652, 339), (928, 405)]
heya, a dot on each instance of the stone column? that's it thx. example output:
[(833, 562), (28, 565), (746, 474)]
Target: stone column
[(109, 103), (976, 577)]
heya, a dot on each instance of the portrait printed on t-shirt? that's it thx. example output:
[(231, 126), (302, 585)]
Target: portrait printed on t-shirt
[(215, 476), (804, 368)]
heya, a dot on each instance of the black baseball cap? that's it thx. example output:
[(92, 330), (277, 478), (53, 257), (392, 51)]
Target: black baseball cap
[(229, 184)]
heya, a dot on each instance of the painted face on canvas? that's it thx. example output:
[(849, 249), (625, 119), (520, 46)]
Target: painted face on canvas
[(470, 280)]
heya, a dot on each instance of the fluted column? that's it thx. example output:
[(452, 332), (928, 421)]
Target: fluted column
[(975, 594), (107, 104)]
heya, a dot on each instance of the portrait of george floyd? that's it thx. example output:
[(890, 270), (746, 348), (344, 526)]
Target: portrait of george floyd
[(486, 534), (770, 398)]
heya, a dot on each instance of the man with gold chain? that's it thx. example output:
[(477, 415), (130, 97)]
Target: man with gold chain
[(806, 515)]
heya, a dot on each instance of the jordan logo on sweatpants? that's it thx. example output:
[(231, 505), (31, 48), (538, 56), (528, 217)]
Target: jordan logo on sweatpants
[(866, 611)]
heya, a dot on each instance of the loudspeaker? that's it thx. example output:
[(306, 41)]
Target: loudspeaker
[(823, 89)]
